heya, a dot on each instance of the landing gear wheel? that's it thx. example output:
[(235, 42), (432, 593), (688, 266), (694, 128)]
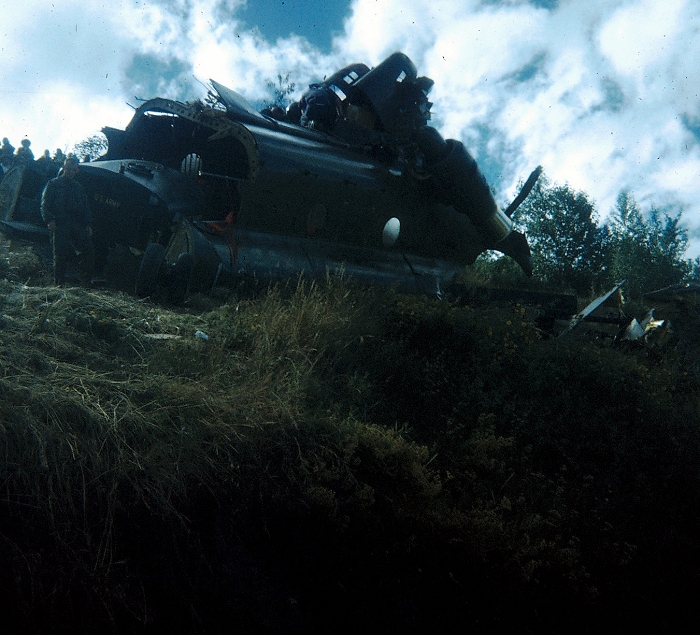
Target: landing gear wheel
[(150, 270), (180, 277)]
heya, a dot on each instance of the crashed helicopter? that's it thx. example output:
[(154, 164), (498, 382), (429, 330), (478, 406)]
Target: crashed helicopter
[(350, 179)]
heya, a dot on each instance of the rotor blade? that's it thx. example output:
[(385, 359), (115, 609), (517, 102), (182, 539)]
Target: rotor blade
[(529, 184)]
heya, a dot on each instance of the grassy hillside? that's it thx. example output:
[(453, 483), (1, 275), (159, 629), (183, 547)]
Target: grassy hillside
[(330, 458)]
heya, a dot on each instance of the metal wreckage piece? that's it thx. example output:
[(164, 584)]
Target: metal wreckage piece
[(613, 296), (649, 330), (636, 330), (189, 194)]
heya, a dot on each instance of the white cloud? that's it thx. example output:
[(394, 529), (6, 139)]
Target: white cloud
[(641, 34)]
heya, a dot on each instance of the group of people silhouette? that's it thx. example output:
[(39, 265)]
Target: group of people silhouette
[(11, 157)]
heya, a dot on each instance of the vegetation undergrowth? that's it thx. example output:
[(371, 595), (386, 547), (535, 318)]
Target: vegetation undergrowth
[(322, 458)]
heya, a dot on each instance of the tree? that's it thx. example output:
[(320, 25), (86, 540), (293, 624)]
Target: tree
[(693, 274), (91, 148), (647, 253), (569, 248), (280, 91)]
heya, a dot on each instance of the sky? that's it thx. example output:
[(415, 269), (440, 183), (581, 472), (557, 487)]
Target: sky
[(604, 94)]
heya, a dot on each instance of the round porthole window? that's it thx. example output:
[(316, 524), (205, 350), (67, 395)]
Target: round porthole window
[(390, 235)]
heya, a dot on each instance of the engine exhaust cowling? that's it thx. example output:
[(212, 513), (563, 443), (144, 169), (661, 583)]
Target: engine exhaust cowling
[(456, 180)]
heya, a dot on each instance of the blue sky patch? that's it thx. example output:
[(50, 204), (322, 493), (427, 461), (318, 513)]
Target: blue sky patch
[(316, 20), (692, 123), (530, 70), (614, 96), (150, 76)]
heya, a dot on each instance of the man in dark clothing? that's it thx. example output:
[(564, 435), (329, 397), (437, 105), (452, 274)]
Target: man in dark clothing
[(7, 150), (319, 108), (46, 165), (24, 153), (65, 210)]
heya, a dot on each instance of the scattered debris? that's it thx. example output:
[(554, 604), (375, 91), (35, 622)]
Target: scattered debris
[(641, 330), (614, 294)]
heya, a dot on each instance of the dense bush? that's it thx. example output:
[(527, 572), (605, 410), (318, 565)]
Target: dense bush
[(331, 459)]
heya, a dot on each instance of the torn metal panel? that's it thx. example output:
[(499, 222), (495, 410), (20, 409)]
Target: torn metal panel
[(593, 306), (637, 330)]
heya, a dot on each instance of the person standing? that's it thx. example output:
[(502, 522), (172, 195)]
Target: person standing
[(65, 210), (24, 153), (7, 150)]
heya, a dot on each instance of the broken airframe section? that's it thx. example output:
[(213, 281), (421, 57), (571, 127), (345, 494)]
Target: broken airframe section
[(190, 194)]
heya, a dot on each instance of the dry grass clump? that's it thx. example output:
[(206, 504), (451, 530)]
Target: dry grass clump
[(323, 457), (120, 415), (20, 262)]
